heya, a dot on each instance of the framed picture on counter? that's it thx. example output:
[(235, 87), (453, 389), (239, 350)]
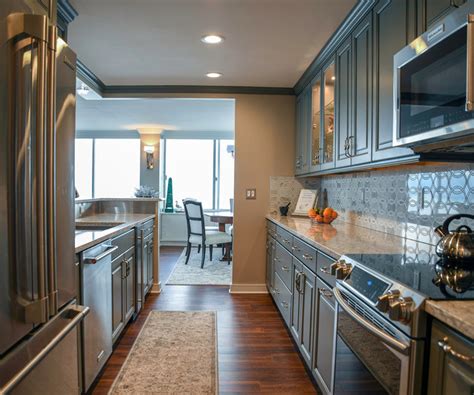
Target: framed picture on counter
[(306, 201)]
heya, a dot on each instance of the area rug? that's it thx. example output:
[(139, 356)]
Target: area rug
[(175, 353), (215, 272)]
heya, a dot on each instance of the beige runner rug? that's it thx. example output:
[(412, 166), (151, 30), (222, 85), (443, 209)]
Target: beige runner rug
[(175, 353)]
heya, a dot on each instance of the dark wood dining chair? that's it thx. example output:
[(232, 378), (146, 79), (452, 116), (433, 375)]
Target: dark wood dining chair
[(197, 233)]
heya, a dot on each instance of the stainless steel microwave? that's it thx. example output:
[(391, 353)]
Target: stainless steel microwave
[(434, 86)]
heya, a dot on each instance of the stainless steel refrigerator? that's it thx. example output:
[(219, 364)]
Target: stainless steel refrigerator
[(39, 317)]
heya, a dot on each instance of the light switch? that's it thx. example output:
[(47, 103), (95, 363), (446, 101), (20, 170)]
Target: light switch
[(251, 194)]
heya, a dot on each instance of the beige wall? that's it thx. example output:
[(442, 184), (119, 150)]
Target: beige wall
[(264, 147)]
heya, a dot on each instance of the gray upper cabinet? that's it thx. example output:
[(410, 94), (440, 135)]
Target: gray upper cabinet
[(436, 9), (315, 129), (328, 96), (393, 29), (360, 140), (343, 103), (303, 115)]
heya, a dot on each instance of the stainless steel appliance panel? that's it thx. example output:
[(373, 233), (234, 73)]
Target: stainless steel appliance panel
[(23, 299), (65, 134), (97, 294), (372, 353), (433, 86), (48, 361)]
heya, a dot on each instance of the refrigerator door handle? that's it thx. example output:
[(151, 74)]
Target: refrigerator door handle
[(51, 173), (74, 315), (35, 27)]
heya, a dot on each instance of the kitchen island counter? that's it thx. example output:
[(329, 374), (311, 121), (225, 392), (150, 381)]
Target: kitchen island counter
[(118, 223)]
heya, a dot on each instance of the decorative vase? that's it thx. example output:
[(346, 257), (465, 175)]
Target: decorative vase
[(169, 197)]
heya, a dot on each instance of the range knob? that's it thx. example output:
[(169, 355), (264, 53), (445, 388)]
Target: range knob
[(400, 309), (341, 269), (383, 304)]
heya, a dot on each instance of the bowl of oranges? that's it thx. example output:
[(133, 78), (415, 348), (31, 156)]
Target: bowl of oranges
[(322, 215)]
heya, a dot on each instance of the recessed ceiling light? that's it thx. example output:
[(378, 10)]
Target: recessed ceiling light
[(212, 39), (213, 74), (333, 78)]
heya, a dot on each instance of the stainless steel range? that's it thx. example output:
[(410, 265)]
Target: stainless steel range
[(381, 326)]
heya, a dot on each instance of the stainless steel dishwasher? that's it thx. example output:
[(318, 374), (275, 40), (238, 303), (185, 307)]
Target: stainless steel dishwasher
[(96, 292)]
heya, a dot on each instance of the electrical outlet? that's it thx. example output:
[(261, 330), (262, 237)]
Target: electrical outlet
[(251, 194)]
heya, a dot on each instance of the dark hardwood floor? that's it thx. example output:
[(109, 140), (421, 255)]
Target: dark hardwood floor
[(255, 351)]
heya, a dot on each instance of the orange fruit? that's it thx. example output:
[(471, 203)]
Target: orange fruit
[(328, 211), (312, 213), (319, 218), (334, 215), (327, 219)]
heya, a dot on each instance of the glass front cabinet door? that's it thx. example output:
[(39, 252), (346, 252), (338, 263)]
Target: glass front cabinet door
[(322, 119), (315, 164), (327, 137)]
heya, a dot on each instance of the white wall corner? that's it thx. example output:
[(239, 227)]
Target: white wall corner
[(248, 289)]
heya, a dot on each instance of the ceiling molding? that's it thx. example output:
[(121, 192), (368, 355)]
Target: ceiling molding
[(87, 76), (150, 89), (66, 11), (345, 28)]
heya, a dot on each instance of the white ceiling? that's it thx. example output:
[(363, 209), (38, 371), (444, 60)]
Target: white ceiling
[(157, 42), (190, 115)]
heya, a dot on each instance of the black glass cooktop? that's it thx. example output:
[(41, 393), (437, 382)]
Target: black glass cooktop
[(422, 271)]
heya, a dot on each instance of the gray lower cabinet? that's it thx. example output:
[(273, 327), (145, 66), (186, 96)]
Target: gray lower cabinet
[(392, 30), (123, 291), (451, 366), (270, 267), (323, 361), (303, 317), (147, 262), (304, 299)]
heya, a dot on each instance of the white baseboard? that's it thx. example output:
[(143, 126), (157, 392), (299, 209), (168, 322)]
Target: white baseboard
[(248, 289), (156, 288)]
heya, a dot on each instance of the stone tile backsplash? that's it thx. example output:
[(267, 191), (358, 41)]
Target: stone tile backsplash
[(408, 201)]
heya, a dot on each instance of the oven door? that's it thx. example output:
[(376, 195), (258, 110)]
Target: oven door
[(371, 355), (433, 85)]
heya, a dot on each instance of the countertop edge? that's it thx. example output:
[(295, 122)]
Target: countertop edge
[(113, 232), (459, 317), (321, 247)]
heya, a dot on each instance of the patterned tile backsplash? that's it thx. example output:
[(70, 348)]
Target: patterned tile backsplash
[(408, 201)]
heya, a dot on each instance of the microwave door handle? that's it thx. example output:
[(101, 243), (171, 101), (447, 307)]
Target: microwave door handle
[(384, 337), (470, 64)]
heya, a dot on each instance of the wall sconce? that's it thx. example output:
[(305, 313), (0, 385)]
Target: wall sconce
[(149, 150)]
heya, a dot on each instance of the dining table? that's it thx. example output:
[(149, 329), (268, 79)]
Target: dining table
[(222, 218)]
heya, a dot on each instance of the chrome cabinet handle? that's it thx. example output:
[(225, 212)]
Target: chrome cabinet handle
[(324, 270), (284, 304), (444, 345), (297, 280), (307, 257), (470, 66), (276, 291), (325, 292), (108, 251), (286, 241), (285, 268)]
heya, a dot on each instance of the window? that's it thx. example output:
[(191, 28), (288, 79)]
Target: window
[(226, 174), (116, 167), (83, 167), (107, 167), (200, 169)]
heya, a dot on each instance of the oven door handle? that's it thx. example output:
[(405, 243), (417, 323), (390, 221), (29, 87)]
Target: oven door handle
[(387, 339), (470, 66)]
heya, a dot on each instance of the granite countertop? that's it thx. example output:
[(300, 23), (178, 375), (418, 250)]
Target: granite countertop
[(157, 199), (456, 314), (118, 222), (343, 238)]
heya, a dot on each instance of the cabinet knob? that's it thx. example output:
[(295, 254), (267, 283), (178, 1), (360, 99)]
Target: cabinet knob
[(400, 309)]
